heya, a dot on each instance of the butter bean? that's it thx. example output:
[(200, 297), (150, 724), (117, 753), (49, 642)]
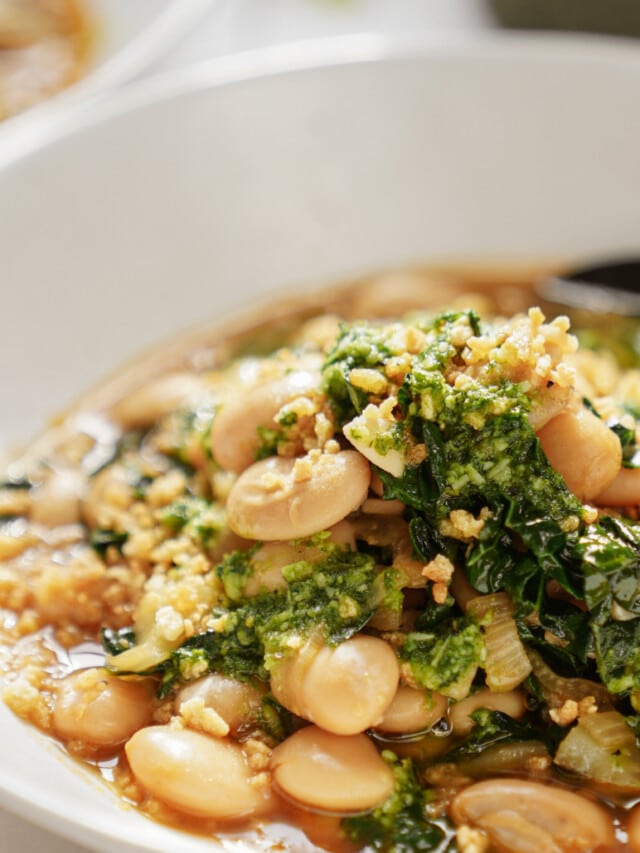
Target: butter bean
[(234, 433), (237, 702), (511, 703), (270, 500), (583, 450), (412, 710), (330, 772), (344, 689), (194, 773), (100, 709), (521, 816)]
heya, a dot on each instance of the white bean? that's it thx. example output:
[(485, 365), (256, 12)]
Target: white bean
[(329, 772), (194, 773), (270, 559), (512, 703), (623, 491), (99, 709), (583, 450), (523, 817), (144, 406), (284, 499), (237, 702), (344, 689), (57, 500), (412, 710), (633, 829), (234, 433)]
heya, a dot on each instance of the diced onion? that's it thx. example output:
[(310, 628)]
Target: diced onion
[(557, 689), (617, 764), (506, 662)]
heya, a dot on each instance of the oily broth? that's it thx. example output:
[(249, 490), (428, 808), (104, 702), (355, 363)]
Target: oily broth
[(71, 648)]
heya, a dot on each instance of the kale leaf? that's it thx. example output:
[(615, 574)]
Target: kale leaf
[(490, 729), (100, 540), (400, 824)]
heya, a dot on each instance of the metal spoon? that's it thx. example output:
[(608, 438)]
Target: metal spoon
[(598, 289)]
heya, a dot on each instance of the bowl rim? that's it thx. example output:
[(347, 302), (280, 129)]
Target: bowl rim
[(52, 123), (306, 55), (165, 29)]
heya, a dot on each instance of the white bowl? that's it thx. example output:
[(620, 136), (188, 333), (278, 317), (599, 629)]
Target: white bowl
[(193, 195), (130, 36)]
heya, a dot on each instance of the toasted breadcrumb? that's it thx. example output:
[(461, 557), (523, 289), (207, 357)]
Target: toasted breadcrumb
[(197, 715), (471, 840), (571, 710)]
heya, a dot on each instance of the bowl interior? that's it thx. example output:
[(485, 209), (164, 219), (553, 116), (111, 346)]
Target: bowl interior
[(194, 196)]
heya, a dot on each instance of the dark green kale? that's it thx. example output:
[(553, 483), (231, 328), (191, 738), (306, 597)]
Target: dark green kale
[(627, 437), (100, 540), (275, 720), (16, 483), (116, 641), (492, 728), (610, 555), (400, 824), (359, 345)]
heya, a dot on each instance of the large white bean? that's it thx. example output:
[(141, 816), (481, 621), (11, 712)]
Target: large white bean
[(623, 491), (412, 710), (194, 773), (57, 500), (583, 450), (237, 702), (329, 772), (512, 703), (523, 817), (344, 689), (273, 500), (99, 709), (144, 406), (234, 433), (633, 829), (270, 559)]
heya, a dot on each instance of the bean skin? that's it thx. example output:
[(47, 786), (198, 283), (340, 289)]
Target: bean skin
[(583, 450), (522, 817), (194, 773), (271, 501), (633, 829), (329, 772), (238, 702), (144, 406), (346, 689), (412, 710), (623, 491), (234, 433), (99, 709)]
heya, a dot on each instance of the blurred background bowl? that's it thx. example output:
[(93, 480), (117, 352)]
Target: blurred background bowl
[(125, 38), (196, 194)]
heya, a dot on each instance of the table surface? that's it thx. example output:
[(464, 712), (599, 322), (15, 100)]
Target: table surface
[(237, 25)]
